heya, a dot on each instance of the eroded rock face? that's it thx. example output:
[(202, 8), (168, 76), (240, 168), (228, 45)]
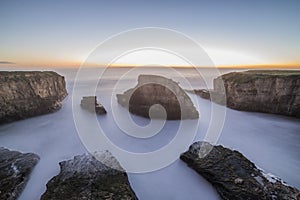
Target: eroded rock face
[(85, 177), (26, 94), (152, 90), (234, 176), (15, 169), (90, 104), (269, 91)]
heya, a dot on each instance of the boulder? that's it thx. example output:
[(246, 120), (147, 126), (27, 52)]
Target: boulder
[(153, 90), (26, 94), (15, 169), (90, 104), (84, 177), (234, 176)]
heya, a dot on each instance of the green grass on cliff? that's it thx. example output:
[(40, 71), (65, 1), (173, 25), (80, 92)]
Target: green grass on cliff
[(24, 75), (244, 77)]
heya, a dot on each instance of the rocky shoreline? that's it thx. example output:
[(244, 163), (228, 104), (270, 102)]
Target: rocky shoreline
[(26, 94), (85, 177), (268, 91), (234, 176), (15, 169)]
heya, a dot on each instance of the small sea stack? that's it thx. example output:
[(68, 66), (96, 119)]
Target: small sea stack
[(90, 104)]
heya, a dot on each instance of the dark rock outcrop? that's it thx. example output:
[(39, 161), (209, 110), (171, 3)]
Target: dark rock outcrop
[(234, 176), (90, 104), (269, 91), (85, 177), (152, 90), (205, 94), (15, 168), (212, 95), (26, 94)]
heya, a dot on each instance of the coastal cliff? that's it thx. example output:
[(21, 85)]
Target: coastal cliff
[(26, 94), (153, 90), (269, 91)]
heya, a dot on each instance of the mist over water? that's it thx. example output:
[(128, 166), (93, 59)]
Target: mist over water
[(272, 142)]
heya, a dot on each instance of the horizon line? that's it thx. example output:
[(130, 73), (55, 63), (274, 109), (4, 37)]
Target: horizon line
[(73, 65)]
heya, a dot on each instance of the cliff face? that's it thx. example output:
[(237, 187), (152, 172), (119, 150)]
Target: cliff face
[(26, 94), (270, 91), (152, 90)]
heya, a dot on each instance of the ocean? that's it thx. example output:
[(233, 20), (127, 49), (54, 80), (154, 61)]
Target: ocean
[(272, 142)]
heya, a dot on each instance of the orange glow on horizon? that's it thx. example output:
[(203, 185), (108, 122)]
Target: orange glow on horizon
[(125, 65)]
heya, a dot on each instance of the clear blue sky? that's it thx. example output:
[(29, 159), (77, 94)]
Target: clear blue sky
[(57, 32)]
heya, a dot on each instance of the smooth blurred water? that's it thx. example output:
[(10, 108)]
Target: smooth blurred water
[(272, 142)]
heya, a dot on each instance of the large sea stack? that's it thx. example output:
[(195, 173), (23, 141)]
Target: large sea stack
[(234, 176), (152, 90), (269, 91), (26, 94)]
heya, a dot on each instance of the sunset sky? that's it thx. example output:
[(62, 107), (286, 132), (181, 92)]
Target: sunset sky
[(63, 33)]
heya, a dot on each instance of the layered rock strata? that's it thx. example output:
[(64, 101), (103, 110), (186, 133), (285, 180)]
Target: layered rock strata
[(268, 91), (26, 94)]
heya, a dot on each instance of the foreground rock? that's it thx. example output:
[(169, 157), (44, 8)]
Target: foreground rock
[(26, 94), (85, 177), (152, 90), (90, 104), (269, 91), (234, 176), (15, 169)]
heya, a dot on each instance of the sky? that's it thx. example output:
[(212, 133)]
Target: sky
[(232, 32)]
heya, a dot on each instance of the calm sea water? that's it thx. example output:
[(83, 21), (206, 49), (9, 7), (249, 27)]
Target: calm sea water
[(272, 142)]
